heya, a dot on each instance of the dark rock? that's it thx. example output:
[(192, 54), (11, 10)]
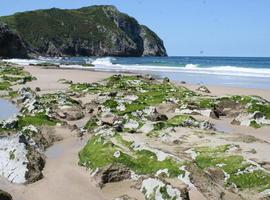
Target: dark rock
[(90, 31), (5, 196), (112, 94), (216, 113), (155, 116), (183, 82), (112, 173), (35, 165), (257, 115), (166, 80), (149, 77), (37, 89), (184, 193)]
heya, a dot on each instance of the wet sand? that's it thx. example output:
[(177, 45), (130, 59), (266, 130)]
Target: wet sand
[(63, 178)]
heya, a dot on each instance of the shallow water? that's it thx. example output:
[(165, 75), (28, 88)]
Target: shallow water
[(7, 109), (59, 149)]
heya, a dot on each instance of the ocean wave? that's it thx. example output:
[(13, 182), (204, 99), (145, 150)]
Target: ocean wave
[(104, 61), (107, 64), (191, 68)]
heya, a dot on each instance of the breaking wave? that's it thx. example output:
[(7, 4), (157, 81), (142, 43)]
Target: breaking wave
[(110, 64)]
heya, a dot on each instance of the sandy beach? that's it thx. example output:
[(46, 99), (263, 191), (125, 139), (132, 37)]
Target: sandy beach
[(64, 179), (48, 81)]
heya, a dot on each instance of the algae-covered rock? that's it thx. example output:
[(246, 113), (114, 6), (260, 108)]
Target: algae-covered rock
[(112, 173), (154, 188)]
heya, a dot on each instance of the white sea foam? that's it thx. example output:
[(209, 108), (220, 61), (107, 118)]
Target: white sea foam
[(191, 68), (106, 64), (107, 61)]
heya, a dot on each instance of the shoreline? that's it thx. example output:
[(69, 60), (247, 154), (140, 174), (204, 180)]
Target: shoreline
[(86, 75)]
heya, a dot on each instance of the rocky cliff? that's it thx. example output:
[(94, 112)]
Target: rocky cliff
[(88, 31), (11, 44)]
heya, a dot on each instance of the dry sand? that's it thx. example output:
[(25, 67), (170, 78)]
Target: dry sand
[(222, 90), (47, 79), (64, 179)]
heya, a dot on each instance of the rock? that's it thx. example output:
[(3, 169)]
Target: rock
[(166, 80), (247, 119), (154, 188), (10, 123), (108, 118), (149, 77), (203, 89), (5, 196), (131, 124), (157, 117), (112, 173), (37, 89), (205, 125), (34, 166), (183, 82), (30, 135), (13, 162), (164, 108), (153, 45), (257, 115), (106, 32), (216, 174), (70, 113), (216, 113)]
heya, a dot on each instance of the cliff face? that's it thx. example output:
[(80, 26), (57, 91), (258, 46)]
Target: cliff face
[(89, 31), (11, 44)]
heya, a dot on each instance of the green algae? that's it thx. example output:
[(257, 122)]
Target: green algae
[(250, 103), (5, 85), (99, 153), (39, 119), (91, 124), (258, 180), (235, 166), (254, 124)]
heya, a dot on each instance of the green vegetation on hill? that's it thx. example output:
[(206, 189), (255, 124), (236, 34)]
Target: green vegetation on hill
[(94, 30)]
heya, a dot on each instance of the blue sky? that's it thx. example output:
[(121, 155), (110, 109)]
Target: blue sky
[(188, 27)]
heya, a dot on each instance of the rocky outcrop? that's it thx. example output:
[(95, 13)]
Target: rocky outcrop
[(112, 173), (11, 44), (153, 45), (88, 31)]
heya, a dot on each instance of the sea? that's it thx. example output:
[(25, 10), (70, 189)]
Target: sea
[(244, 72)]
